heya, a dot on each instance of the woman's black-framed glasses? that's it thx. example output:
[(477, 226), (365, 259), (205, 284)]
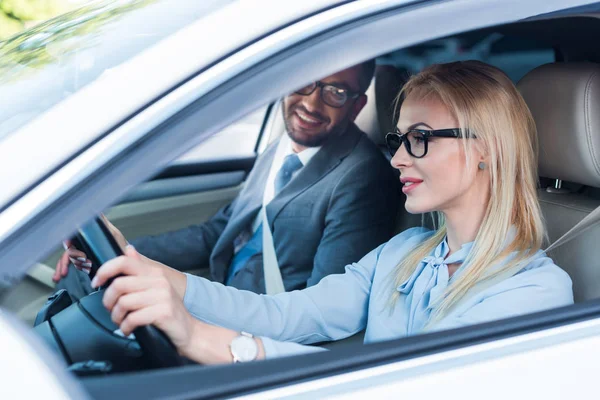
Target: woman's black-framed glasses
[(416, 140), (331, 95)]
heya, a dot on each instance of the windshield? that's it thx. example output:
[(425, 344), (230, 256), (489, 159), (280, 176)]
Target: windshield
[(46, 64)]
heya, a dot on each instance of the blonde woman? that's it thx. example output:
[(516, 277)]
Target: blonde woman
[(465, 146)]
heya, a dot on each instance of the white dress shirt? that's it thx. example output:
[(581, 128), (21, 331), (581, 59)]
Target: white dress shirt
[(284, 148)]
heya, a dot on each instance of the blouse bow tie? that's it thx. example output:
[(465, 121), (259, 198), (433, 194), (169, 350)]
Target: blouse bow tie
[(429, 281), (431, 277)]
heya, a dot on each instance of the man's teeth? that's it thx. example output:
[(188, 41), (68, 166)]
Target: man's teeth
[(307, 119)]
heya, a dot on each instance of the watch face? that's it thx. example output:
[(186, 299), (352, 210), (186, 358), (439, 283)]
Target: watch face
[(244, 349)]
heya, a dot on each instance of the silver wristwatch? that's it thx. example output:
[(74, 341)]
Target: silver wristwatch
[(244, 348)]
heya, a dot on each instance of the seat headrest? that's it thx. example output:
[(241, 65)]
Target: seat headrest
[(388, 82), (377, 117), (564, 99)]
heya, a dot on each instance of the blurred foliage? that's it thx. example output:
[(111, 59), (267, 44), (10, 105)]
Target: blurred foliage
[(15, 15), (59, 37), (8, 25)]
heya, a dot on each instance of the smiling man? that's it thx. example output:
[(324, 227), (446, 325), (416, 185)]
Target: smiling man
[(330, 197)]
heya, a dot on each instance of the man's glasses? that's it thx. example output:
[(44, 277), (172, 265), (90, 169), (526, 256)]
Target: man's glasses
[(331, 95), (416, 140)]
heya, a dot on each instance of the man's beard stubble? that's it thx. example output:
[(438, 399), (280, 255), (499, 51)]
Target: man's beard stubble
[(314, 140)]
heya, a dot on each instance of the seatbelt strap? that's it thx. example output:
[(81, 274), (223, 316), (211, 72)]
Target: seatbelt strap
[(273, 280), (587, 222)]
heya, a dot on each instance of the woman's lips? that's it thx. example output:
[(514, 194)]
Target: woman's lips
[(408, 188), (410, 184)]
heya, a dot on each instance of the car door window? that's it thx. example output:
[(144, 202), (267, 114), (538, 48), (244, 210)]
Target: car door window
[(238, 140)]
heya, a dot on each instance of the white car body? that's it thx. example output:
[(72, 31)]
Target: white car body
[(50, 184)]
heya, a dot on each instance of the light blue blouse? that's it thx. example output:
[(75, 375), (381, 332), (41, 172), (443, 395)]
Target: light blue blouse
[(344, 304)]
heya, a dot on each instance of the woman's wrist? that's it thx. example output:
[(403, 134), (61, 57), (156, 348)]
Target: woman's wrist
[(178, 280), (209, 344)]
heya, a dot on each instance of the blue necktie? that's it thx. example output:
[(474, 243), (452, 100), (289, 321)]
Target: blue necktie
[(254, 246)]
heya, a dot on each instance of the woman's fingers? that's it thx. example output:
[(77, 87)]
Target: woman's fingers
[(78, 258), (71, 256), (141, 295), (125, 285), (76, 254), (134, 301), (117, 266), (142, 317), (61, 267)]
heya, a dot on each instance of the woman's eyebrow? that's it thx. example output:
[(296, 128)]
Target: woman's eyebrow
[(413, 126)]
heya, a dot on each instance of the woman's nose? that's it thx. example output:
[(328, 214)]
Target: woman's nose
[(401, 158)]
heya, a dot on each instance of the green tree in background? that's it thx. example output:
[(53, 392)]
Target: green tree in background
[(15, 15), (61, 37)]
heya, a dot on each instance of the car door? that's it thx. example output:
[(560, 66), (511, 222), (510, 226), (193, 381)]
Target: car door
[(320, 49)]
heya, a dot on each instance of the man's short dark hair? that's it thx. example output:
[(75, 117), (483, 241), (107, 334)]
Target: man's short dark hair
[(366, 75)]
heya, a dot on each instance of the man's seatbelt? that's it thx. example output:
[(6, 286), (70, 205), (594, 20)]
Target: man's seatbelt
[(273, 280), (587, 222)]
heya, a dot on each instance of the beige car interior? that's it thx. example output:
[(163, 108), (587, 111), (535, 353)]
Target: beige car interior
[(564, 99)]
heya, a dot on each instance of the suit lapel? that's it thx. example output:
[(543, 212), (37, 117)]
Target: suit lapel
[(251, 198), (329, 157), (248, 203)]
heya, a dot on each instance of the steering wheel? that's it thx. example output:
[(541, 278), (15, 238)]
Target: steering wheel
[(156, 346), (84, 331)]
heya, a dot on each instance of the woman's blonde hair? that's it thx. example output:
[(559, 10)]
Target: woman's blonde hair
[(486, 103)]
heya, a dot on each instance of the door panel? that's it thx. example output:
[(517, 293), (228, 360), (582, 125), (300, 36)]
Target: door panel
[(163, 214), (27, 298), (184, 185)]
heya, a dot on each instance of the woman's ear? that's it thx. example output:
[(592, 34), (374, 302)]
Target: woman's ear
[(482, 162)]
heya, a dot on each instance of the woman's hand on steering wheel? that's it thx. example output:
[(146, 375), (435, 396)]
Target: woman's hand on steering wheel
[(71, 256), (142, 293)]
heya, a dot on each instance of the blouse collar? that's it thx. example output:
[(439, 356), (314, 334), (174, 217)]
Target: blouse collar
[(433, 269)]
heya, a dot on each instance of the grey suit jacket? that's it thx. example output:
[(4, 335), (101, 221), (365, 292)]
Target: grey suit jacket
[(341, 205)]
